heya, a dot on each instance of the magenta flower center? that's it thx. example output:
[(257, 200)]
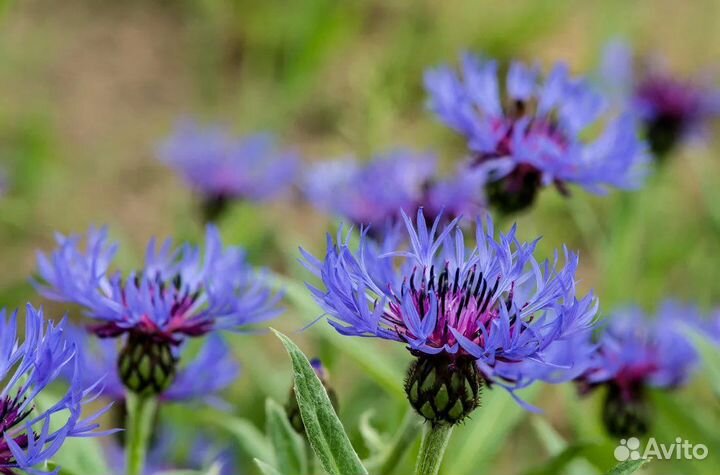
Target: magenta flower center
[(462, 304), (10, 416)]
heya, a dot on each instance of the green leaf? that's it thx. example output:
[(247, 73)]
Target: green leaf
[(374, 441), (626, 468), (324, 430), (288, 447), (267, 469), (251, 440)]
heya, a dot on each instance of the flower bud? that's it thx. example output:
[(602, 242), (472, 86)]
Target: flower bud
[(442, 389), (293, 410), (146, 365), (626, 414), (514, 192)]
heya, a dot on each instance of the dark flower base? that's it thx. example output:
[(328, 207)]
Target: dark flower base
[(146, 366), (626, 417), (293, 410), (213, 208), (443, 390), (515, 192), (663, 134)]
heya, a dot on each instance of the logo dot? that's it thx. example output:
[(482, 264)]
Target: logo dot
[(621, 453), (633, 443)]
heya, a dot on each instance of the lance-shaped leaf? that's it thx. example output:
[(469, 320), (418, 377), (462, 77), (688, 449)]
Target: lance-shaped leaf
[(267, 469), (628, 467), (289, 453), (324, 430)]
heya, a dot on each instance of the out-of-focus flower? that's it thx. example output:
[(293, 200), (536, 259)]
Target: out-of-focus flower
[(672, 108), (179, 293), (634, 353), (212, 370), (537, 135), (469, 314), (374, 193), (27, 367), (222, 167), (164, 457), (371, 193)]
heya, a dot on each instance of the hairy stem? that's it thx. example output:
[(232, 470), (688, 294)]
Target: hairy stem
[(141, 413), (432, 449)]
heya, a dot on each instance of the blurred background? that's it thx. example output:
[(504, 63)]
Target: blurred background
[(89, 89)]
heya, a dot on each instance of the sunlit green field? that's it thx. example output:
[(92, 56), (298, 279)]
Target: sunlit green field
[(89, 88)]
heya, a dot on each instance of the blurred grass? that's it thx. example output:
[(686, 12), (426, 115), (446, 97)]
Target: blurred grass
[(90, 87)]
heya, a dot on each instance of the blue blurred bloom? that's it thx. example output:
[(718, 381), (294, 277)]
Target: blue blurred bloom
[(178, 293), (164, 456), (672, 108), (212, 370), (491, 302), (636, 351), (221, 166), (375, 192), (26, 368), (539, 136)]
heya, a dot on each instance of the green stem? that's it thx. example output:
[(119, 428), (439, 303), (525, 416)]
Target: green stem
[(432, 449), (401, 442), (141, 413)]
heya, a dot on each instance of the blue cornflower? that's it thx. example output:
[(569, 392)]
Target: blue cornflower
[(212, 370), (178, 293), (222, 167), (485, 310), (634, 353), (536, 136), (374, 193), (672, 108), (27, 367)]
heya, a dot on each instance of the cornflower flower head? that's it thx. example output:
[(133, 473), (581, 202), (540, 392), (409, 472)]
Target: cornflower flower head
[(470, 312), (221, 167), (635, 352), (27, 367), (673, 109), (374, 193), (179, 293), (536, 134)]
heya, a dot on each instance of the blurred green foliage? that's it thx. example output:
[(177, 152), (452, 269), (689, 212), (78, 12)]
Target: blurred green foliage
[(89, 88)]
